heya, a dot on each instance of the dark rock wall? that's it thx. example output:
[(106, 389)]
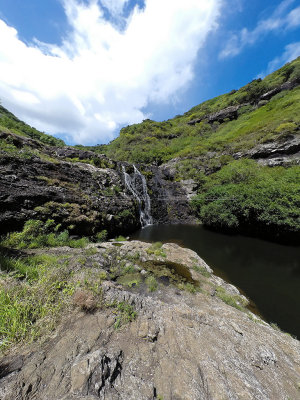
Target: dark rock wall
[(169, 200), (85, 196)]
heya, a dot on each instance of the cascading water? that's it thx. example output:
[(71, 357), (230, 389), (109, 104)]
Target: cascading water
[(137, 185)]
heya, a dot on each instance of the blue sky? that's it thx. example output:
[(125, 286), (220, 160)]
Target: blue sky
[(82, 69)]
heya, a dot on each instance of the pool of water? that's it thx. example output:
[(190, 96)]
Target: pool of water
[(268, 273)]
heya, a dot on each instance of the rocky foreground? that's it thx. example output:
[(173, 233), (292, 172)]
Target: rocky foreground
[(191, 338)]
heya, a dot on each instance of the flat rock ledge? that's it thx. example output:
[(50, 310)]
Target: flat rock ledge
[(181, 346)]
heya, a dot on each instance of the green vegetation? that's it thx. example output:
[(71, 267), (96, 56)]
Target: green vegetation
[(125, 314), (130, 279), (151, 283), (101, 236), (96, 161), (8, 146), (241, 193), (158, 142), (156, 249), (233, 195), (244, 194), (120, 239), (232, 300), (8, 122), (203, 271), (37, 233), (171, 274), (204, 152), (35, 291)]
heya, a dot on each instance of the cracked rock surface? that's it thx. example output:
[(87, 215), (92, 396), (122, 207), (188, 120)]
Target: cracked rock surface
[(181, 346)]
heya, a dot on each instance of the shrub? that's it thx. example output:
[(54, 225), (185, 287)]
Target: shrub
[(37, 233), (286, 127), (246, 194), (120, 239), (125, 314), (85, 300)]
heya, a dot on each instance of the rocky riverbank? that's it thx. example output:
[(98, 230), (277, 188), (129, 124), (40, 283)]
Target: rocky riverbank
[(189, 336)]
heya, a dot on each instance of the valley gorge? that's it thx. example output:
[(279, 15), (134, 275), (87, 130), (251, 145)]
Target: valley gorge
[(87, 312)]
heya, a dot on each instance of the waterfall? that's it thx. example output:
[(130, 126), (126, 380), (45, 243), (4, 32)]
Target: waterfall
[(137, 185)]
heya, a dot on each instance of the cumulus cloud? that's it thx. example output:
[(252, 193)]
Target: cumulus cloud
[(102, 77), (283, 18)]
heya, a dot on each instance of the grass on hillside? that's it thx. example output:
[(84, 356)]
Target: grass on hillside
[(158, 142), (10, 123), (37, 291)]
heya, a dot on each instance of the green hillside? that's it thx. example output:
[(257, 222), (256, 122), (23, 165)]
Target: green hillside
[(10, 123), (159, 142), (234, 193)]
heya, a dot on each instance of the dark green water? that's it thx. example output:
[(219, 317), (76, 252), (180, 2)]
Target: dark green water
[(268, 273)]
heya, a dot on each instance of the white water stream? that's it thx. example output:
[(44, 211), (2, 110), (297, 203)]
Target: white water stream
[(137, 186)]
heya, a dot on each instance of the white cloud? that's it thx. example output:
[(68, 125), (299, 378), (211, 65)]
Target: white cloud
[(102, 77), (115, 7), (282, 19), (291, 52)]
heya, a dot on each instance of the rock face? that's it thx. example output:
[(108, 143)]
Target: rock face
[(181, 346), (82, 197), (169, 199), (285, 86), (219, 116), (82, 190), (275, 154), (231, 112)]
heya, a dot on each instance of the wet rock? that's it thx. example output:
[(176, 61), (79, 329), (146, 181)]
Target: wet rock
[(169, 199), (88, 194)]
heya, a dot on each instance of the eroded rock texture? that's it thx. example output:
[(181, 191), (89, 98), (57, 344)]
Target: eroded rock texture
[(182, 346), (82, 190)]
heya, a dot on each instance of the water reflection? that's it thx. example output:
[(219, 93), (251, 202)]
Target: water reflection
[(268, 273)]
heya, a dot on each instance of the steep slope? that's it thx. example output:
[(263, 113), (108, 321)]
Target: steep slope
[(10, 123), (236, 121), (221, 150), (207, 150), (136, 320)]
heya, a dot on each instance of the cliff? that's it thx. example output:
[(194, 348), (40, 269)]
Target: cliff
[(83, 191)]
